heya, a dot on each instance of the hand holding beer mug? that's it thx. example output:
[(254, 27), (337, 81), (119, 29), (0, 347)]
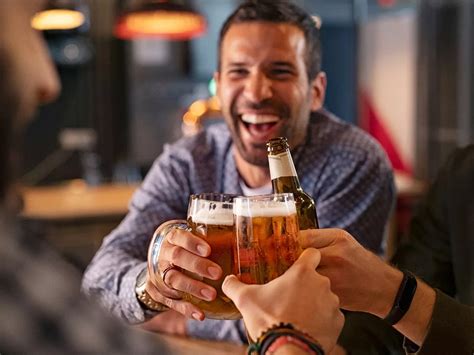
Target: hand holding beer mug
[(182, 262), (266, 228)]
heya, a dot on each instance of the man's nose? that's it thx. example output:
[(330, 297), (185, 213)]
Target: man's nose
[(48, 85), (258, 88)]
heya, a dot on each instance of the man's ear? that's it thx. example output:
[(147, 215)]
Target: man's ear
[(318, 91)]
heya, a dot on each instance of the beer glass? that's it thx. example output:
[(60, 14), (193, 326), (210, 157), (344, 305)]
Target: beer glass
[(266, 229), (210, 217)]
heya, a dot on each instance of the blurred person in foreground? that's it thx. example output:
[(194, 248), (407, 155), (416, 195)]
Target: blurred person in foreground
[(439, 250), (270, 84), (41, 308)]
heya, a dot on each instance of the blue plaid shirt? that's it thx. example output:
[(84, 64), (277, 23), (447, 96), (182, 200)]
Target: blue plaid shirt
[(341, 167)]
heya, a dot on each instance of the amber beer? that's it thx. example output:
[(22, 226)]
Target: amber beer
[(285, 179), (266, 230), (213, 221)]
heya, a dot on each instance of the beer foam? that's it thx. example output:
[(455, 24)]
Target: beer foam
[(213, 213), (254, 208)]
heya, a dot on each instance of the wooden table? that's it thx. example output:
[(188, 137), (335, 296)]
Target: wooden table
[(76, 200), (75, 217)]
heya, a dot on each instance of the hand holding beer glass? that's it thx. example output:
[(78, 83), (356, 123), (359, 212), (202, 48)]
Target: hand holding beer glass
[(210, 219)]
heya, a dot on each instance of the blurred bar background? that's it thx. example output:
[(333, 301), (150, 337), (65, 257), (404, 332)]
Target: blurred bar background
[(400, 69)]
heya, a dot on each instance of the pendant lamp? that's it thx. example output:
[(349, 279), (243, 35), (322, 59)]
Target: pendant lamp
[(60, 15), (166, 19)]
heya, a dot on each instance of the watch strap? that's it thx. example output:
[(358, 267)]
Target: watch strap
[(144, 297), (403, 299)]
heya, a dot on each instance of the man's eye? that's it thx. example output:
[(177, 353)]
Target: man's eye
[(281, 72), (237, 72)]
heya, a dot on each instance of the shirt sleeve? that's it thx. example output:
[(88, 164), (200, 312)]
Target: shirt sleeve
[(357, 194), (452, 328), (111, 276)]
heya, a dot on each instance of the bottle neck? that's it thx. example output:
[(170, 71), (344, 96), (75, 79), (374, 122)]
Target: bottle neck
[(284, 184), (283, 173), (281, 165)]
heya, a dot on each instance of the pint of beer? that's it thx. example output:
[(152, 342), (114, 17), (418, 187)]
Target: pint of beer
[(266, 228), (210, 217)]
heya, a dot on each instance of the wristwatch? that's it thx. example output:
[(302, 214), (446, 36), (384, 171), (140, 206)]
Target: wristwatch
[(403, 299), (144, 297)]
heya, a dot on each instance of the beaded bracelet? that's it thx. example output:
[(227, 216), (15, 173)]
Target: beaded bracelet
[(264, 341)]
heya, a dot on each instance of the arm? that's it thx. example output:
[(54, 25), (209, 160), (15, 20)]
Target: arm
[(357, 195), (111, 276), (451, 328), (365, 283)]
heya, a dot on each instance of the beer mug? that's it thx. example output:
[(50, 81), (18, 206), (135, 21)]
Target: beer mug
[(266, 229), (210, 217)]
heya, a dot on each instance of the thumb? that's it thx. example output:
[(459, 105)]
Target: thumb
[(319, 238), (232, 287), (310, 258)]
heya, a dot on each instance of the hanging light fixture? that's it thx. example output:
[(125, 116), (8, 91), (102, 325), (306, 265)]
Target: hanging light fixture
[(165, 19), (59, 15)]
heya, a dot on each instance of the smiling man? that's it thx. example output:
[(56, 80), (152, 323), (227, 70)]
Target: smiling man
[(270, 84)]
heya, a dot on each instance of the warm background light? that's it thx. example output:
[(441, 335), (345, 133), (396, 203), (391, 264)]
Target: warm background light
[(174, 25), (163, 22), (57, 19)]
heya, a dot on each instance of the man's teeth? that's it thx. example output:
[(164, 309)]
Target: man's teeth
[(259, 119)]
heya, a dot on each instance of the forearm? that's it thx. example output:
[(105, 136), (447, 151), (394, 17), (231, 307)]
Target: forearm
[(290, 349), (110, 280), (415, 323)]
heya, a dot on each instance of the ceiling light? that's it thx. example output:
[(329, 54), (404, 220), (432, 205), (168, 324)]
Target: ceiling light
[(59, 15), (160, 19)]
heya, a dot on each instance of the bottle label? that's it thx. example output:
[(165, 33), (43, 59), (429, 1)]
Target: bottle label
[(281, 165)]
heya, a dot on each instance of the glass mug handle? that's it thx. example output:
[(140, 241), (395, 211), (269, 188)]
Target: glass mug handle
[(155, 245)]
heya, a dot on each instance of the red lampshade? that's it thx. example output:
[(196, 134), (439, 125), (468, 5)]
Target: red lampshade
[(160, 19)]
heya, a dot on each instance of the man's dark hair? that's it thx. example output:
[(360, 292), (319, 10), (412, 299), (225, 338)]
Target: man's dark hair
[(279, 11)]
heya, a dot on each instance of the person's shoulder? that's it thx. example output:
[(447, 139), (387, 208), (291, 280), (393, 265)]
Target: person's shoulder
[(330, 134)]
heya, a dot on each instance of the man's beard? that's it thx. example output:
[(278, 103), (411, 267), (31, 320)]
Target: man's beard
[(253, 159)]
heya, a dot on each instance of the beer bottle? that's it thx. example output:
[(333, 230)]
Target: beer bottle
[(285, 179)]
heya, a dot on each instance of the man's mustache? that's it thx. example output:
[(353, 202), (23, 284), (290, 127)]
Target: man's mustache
[(266, 105)]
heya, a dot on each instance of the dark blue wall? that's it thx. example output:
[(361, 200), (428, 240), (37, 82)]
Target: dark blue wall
[(340, 65)]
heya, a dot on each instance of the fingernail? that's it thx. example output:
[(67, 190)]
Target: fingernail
[(213, 271), (202, 250), (196, 316), (208, 294)]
